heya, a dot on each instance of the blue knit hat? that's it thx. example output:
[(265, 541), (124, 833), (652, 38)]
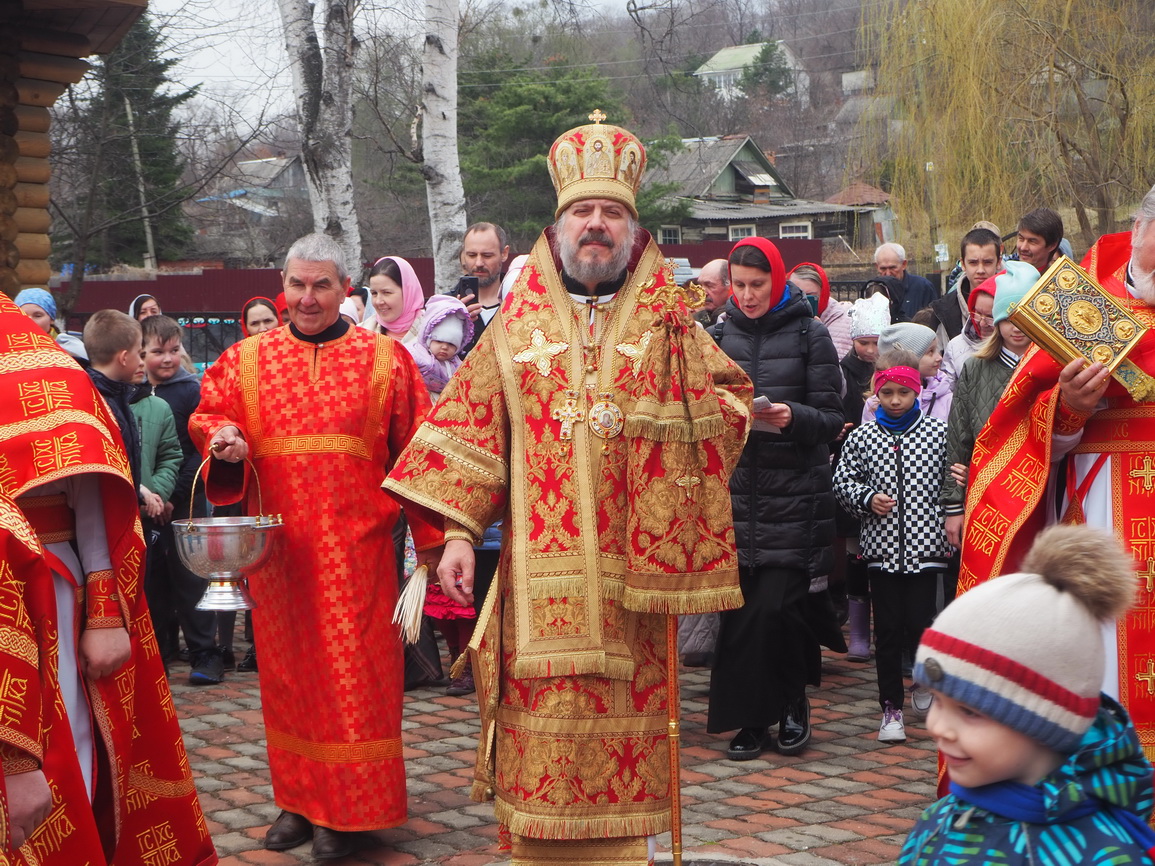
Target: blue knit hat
[(41, 298), (1011, 286)]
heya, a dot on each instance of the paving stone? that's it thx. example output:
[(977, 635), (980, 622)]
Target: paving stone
[(847, 800)]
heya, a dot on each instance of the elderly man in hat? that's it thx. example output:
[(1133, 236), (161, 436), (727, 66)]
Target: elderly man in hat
[(602, 425), (322, 409)]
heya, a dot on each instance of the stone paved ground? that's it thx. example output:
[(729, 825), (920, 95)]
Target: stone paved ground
[(847, 799)]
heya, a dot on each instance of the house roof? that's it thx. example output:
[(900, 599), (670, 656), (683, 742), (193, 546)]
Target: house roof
[(262, 172), (729, 211), (731, 59), (694, 170), (860, 193)]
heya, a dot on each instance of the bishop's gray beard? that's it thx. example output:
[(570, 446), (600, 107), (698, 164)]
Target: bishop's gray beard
[(592, 273)]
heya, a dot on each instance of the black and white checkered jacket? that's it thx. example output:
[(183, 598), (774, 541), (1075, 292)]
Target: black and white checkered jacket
[(911, 467)]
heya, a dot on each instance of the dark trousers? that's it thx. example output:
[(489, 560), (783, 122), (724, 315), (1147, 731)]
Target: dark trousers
[(173, 601), (904, 605), (760, 663)]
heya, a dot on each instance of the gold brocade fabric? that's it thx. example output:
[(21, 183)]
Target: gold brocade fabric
[(630, 851), (572, 685)]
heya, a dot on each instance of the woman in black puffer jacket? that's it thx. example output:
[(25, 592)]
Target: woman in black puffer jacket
[(783, 502)]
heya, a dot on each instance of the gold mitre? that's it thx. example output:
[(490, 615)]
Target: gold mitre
[(597, 161)]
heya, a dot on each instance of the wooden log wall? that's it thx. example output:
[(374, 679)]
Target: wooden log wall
[(36, 67)]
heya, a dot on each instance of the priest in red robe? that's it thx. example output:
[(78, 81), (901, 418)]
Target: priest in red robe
[(322, 410), (1020, 480), (601, 425), (118, 795)]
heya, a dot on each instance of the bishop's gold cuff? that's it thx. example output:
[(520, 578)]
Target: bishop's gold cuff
[(455, 531)]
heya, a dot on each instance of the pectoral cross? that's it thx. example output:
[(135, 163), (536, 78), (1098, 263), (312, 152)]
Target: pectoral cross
[(567, 414)]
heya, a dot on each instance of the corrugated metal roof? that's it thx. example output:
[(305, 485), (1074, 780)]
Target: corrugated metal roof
[(694, 170), (733, 58), (730, 211)]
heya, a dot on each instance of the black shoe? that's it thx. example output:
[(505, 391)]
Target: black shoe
[(229, 659), (249, 663), (794, 729), (207, 668), (748, 744), (288, 831), (331, 844)]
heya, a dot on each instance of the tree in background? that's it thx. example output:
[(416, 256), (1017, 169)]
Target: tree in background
[(1015, 105), (769, 76), (322, 70), (117, 184)]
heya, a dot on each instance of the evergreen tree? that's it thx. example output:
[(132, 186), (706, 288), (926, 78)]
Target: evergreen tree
[(117, 140)]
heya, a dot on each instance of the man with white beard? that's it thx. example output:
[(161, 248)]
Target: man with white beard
[(1071, 444)]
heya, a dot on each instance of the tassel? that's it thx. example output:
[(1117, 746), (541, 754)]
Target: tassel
[(411, 605)]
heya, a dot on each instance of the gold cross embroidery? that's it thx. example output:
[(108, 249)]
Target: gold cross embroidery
[(633, 352), (540, 352), (567, 414), (1148, 573), (596, 116), (688, 483), (1146, 474), (1148, 677)]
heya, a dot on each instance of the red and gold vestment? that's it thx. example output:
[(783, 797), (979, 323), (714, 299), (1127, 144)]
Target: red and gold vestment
[(601, 536), (324, 423), (145, 809), (1109, 482)]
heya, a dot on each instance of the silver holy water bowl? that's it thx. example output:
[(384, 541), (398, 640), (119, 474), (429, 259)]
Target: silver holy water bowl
[(223, 550)]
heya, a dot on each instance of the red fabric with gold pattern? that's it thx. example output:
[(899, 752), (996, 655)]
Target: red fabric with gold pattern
[(1012, 462), (571, 683), (323, 426), (54, 425)]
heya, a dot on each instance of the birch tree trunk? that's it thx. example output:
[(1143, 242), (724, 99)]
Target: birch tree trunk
[(322, 89), (441, 167)]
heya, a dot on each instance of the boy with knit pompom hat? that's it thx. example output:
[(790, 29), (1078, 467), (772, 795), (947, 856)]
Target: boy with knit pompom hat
[(1044, 767)]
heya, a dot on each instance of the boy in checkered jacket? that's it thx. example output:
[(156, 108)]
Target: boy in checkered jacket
[(890, 475)]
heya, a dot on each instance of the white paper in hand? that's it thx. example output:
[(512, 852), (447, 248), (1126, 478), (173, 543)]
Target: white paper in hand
[(762, 402)]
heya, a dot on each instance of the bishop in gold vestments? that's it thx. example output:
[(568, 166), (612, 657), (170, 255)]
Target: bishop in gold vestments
[(601, 425)]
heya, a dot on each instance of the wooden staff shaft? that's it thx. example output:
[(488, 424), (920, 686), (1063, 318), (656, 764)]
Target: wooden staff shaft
[(674, 700)]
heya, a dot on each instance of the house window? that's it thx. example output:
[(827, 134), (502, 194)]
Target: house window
[(801, 231), (739, 232), (670, 235)]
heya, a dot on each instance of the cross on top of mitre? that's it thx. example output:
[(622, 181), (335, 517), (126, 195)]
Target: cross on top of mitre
[(596, 116)]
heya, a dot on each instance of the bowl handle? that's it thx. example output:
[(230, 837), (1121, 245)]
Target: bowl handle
[(200, 469)]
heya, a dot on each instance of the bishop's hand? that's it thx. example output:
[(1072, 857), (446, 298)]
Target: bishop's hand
[(455, 571)]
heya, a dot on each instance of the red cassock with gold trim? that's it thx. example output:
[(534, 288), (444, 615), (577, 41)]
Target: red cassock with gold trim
[(146, 812), (324, 422)]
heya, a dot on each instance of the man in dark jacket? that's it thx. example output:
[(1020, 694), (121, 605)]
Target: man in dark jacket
[(982, 257), (181, 390), (917, 292)]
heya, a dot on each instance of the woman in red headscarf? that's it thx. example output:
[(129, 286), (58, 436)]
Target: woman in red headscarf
[(783, 501), (258, 315), (814, 283)]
